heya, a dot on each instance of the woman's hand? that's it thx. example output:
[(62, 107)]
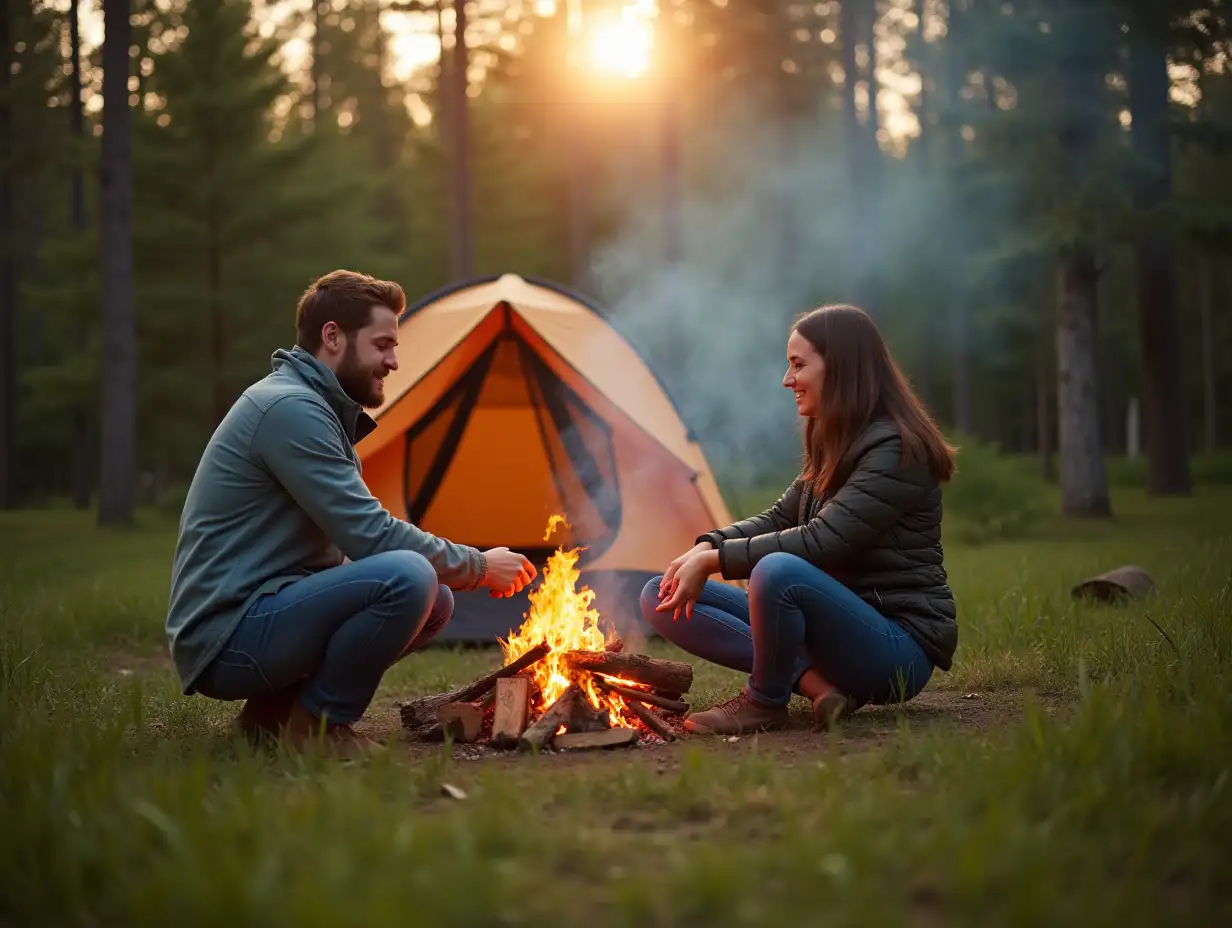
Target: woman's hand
[(687, 583), (669, 575)]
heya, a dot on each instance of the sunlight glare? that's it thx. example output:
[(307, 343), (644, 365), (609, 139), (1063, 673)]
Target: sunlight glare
[(623, 47)]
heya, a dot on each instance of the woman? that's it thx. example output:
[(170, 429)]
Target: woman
[(848, 600)]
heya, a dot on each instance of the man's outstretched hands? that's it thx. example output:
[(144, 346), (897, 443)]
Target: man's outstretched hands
[(508, 572)]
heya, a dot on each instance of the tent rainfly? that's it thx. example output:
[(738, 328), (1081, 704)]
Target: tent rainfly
[(515, 400)]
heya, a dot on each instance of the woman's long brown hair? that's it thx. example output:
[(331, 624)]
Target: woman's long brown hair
[(861, 383)]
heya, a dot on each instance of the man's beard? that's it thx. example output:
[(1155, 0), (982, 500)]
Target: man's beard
[(357, 381)]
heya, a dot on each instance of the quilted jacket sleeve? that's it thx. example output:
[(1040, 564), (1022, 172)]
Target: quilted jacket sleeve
[(877, 492), (782, 515)]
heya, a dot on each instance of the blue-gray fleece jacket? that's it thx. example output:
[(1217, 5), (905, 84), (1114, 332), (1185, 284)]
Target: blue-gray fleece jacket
[(277, 495)]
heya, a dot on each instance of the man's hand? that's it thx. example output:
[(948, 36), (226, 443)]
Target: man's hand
[(508, 572)]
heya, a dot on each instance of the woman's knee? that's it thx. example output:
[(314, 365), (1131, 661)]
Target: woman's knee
[(775, 571), (659, 621)]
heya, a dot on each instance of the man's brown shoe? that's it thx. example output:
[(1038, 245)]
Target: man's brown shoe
[(738, 715), (303, 728), (264, 716)]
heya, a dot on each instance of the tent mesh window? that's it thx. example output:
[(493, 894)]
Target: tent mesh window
[(576, 440)]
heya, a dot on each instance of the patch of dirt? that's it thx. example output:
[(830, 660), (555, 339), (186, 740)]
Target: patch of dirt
[(137, 663), (869, 728)]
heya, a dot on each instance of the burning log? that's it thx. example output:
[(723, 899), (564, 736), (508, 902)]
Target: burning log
[(608, 738), (651, 720), (421, 713), (586, 718), (643, 696), (461, 720), (675, 676), (557, 714), (512, 710)]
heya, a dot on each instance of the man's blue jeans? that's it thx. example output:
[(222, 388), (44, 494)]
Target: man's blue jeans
[(332, 635), (795, 616)]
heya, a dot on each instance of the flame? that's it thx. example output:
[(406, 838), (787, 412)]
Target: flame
[(553, 522), (562, 615)]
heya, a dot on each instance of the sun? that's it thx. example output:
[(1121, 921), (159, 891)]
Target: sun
[(623, 47)]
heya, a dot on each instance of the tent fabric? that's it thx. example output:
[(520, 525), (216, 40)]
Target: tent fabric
[(515, 400)]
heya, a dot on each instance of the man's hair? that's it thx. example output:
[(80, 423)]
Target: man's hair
[(345, 298)]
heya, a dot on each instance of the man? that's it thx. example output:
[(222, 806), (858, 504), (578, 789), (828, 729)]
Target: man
[(292, 587)]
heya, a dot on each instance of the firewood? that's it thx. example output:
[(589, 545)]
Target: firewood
[(422, 712), (669, 675), (643, 696), (512, 709), (431, 729), (461, 720), (608, 738), (586, 718), (557, 714), (651, 721)]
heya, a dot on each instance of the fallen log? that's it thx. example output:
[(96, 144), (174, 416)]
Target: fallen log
[(608, 738), (676, 676), (652, 721), (557, 714), (422, 712), (512, 710), (642, 696)]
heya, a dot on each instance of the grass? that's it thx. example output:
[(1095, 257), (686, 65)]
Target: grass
[(1086, 782)]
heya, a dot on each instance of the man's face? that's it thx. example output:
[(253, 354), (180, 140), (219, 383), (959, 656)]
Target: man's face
[(369, 355)]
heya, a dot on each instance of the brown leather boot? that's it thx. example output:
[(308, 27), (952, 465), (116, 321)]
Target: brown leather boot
[(303, 728), (264, 716), (738, 715)]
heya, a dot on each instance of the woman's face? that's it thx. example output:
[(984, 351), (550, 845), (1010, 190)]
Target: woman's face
[(805, 369)]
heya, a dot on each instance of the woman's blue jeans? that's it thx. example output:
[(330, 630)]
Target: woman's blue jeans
[(332, 635), (793, 617)]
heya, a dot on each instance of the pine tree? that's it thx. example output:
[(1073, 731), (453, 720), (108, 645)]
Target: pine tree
[(232, 222)]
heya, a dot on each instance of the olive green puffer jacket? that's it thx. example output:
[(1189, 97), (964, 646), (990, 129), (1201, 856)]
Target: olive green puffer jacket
[(879, 534)]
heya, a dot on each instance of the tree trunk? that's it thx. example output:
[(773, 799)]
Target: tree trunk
[(318, 66), (1208, 353), (459, 116), (1043, 402), (218, 325), (857, 156), (959, 312), (8, 285), (670, 162), (85, 444), (118, 478), (1084, 489), (1158, 315), (856, 21), (920, 149)]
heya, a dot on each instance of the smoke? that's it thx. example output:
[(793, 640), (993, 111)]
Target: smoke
[(768, 234)]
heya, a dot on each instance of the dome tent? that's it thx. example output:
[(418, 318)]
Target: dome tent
[(515, 400)]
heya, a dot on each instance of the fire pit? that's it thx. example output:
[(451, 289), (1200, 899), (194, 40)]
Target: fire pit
[(563, 684)]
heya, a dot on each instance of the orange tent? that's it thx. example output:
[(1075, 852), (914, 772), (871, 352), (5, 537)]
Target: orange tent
[(515, 400)]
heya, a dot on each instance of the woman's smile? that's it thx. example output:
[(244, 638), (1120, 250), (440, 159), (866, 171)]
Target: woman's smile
[(805, 369)]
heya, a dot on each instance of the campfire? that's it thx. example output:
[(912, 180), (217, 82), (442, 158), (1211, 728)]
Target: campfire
[(564, 684)]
